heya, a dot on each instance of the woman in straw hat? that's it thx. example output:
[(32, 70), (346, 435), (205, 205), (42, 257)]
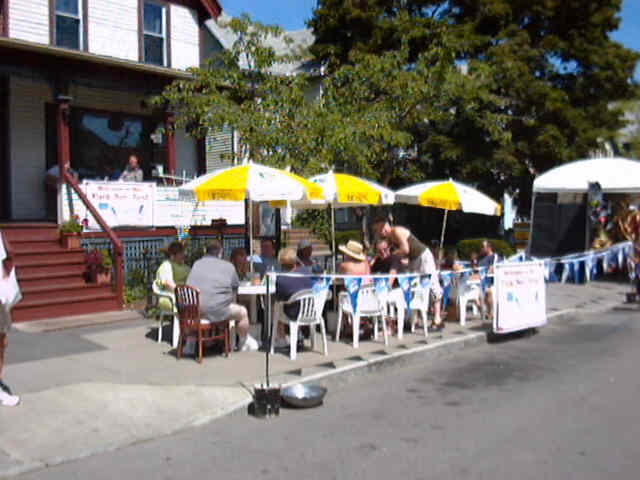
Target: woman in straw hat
[(355, 261)]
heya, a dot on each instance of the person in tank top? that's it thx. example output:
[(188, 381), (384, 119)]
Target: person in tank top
[(421, 260)]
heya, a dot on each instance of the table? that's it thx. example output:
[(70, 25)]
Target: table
[(253, 291)]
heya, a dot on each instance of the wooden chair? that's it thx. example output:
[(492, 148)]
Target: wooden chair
[(192, 325)]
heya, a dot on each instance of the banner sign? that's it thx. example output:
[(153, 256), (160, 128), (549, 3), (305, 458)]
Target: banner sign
[(143, 204), (519, 296)]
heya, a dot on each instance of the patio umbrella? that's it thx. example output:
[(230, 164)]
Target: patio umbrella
[(344, 190), (253, 182), (448, 195)]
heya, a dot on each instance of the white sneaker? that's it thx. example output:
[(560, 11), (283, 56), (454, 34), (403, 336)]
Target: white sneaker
[(7, 400), (281, 342), (250, 344)]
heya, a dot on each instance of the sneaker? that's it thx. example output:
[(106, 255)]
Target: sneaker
[(4, 387), (250, 344), (7, 400), (281, 342)]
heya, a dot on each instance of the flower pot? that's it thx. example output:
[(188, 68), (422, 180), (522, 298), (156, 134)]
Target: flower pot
[(71, 240)]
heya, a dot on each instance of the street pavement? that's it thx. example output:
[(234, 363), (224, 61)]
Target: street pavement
[(97, 389), (561, 404)]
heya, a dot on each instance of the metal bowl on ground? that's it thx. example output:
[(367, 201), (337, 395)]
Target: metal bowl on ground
[(303, 396)]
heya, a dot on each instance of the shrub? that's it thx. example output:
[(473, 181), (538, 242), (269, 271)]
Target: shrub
[(343, 237), (469, 245)]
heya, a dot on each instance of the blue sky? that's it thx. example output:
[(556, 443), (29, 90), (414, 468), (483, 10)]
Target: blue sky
[(292, 14)]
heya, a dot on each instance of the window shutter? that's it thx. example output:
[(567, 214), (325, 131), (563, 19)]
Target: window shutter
[(219, 149)]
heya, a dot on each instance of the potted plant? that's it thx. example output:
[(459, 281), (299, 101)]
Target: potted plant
[(99, 266), (71, 233)]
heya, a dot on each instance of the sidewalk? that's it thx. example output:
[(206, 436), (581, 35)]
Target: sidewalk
[(91, 389)]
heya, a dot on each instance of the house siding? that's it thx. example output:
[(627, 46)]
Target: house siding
[(113, 28), (185, 38), (27, 100), (29, 20), (187, 154)]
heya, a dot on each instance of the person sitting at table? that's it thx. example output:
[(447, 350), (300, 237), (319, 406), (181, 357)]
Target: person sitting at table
[(172, 272), (218, 284), (239, 260), (286, 287), (304, 258), (355, 261), (132, 172), (386, 262), (450, 261), (267, 260)]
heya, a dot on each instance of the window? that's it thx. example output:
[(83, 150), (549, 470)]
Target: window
[(68, 24), (154, 33)]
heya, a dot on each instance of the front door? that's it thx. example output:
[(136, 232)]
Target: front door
[(4, 148)]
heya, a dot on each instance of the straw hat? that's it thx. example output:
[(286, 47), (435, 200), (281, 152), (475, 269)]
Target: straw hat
[(353, 249)]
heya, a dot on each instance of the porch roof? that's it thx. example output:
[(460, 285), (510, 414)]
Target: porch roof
[(22, 47)]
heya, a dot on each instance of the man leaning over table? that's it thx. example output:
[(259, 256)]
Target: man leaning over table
[(218, 284)]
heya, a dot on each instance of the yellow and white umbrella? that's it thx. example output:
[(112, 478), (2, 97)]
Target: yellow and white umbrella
[(253, 182), (343, 190), (448, 195)]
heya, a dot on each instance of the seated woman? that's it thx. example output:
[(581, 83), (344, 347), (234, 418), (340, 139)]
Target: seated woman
[(286, 287), (172, 272), (239, 260), (355, 261)]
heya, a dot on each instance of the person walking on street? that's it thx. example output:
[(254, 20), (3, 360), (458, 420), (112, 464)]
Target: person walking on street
[(420, 259), (9, 296)]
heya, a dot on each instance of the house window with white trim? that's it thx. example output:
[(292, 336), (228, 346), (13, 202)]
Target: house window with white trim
[(154, 28), (68, 24)]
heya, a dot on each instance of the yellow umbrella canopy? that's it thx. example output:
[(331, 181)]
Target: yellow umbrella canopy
[(448, 195), (253, 182)]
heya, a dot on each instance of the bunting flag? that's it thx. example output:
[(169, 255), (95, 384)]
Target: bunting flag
[(381, 285), (425, 282), (353, 289), (405, 285), (320, 287)]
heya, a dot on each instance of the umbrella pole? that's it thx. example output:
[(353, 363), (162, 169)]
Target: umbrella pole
[(333, 255), (250, 236), (444, 226)]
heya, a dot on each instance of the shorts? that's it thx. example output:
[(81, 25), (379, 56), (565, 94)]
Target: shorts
[(426, 264)]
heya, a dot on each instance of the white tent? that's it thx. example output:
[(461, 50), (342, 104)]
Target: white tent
[(615, 175), (559, 211)]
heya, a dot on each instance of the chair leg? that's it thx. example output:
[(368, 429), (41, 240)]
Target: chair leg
[(175, 331), (375, 328), (462, 311), (338, 324), (384, 330), (400, 319), (356, 330), (293, 337), (180, 345), (323, 331), (159, 318), (199, 347), (312, 335), (425, 326), (227, 340)]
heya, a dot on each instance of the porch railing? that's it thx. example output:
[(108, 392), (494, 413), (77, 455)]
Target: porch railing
[(118, 248)]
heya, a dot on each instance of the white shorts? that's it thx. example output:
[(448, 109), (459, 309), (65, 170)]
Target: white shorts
[(426, 264)]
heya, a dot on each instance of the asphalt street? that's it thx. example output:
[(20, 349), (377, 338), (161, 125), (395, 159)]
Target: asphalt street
[(560, 404)]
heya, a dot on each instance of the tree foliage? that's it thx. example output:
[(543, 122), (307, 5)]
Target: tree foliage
[(551, 71)]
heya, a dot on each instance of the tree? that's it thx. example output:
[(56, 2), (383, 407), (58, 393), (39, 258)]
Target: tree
[(550, 64)]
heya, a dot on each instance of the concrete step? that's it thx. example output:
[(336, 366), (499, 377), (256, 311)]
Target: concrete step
[(64, 293), (49, 309)]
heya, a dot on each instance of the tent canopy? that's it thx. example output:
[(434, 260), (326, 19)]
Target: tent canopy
[(615, 175)]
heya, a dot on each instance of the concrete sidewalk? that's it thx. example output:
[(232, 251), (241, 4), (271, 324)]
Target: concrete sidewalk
[(93, 389)]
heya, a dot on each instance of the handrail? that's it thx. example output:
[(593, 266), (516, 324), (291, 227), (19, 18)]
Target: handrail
[(118, 248)]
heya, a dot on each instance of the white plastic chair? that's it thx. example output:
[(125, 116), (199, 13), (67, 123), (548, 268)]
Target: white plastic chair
[(166, 315), (369, 305), (309, 314), (469, 292), (419, 305)]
